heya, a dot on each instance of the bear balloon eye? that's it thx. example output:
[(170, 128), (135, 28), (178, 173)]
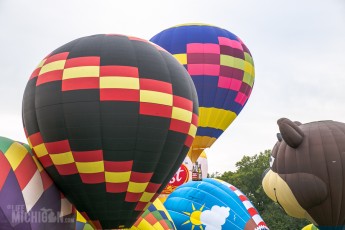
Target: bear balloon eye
[(279, 137), (272, 161)]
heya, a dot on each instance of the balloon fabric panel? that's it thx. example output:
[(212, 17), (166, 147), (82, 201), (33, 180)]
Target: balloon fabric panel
[(214, 204), (111, 118), (306, 174), (222, 70), (27, 194), (154, 217)]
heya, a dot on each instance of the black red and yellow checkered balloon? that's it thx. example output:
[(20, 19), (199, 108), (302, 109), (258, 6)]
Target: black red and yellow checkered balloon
[(111, 118)]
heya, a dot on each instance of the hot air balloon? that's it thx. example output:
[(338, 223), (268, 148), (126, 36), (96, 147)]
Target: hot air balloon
[(212, 204), (306, 175), (81, 223), (155, 217), (310, 227), (222, 70), (111, 118), (28, 197), (185, 174)]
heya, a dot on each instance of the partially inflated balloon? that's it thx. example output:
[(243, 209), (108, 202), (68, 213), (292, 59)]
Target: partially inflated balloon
[(202, 160), (222, 69), (154, 217), (28, 197), (306, 175), (111, 119), (310, 227), (185, 174), (212, 204)]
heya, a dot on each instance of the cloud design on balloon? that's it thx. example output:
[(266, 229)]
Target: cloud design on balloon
[(214, 219)]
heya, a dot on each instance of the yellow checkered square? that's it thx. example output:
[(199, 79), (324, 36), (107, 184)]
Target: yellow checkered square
[(135, 187), (146, 197), (83, 71), (40, 150), (15, 154), (119, 83), (62, 158), (181, 114), (56, 65), (90, 167), (117, 177), (156, 97)]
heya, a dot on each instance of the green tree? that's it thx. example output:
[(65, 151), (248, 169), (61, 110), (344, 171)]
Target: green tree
[(247, 178)]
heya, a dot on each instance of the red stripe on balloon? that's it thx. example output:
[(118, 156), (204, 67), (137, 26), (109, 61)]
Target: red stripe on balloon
[(119, 166), (88, 156), (183, 103), (67, 169), (116, 187), (46, 161), (155, 85), (35, 73), (243, 198), (252, 211), (151, 219), (5, 169), (139, 177), (58, 147), (83, 61), (158, 110), (179, 126), (35, 139), (25, 171), (46, 180), (51, 76), (80, 83), (152, 187), (189, 140), (114, 70), (56, 57), (92, 178), (140, 206), (119, 95), (195, 119), (133, 197)]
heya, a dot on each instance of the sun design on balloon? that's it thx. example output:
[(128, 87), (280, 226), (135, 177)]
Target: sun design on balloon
[(194, 217)]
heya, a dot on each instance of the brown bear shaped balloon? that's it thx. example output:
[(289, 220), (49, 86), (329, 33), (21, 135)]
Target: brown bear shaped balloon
[(307, 172)]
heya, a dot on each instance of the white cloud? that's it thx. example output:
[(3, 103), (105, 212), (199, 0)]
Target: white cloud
[(214, 219)]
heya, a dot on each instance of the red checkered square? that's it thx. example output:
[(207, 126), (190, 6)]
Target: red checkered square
[(25, 171), (116, 187), (67, 169)]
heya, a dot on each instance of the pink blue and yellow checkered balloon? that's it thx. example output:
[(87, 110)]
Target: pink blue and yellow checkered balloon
[(222, 70)]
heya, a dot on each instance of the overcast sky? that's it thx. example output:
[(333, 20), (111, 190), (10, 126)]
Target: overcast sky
[(298, 48)]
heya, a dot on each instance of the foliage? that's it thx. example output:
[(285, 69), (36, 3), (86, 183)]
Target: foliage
[(247, 178)]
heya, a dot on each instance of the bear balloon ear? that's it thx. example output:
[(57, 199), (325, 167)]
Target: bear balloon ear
[(290, 132), (297, 123)]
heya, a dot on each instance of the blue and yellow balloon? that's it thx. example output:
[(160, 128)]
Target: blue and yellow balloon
[(212, 204), (222, 70)]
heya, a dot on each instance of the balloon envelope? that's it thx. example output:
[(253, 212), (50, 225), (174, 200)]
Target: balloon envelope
[(154, 217), (111, 119), (212, 204), (310, 227), (184, 174), (306, 175), (28, 197), (222, 70)]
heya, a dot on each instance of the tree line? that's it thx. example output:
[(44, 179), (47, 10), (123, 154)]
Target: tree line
[(247, 178)]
